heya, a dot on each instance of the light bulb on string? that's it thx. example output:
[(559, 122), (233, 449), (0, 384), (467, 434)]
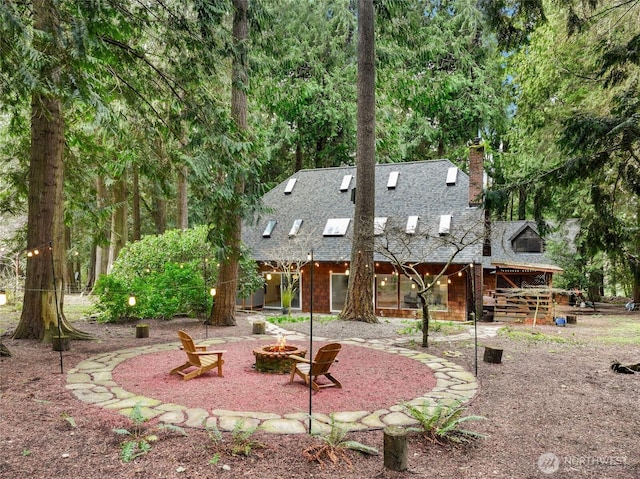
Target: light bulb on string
[(212, 291), (132, 299)]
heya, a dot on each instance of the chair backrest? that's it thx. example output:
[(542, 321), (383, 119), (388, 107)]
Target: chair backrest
[(325, 357), (189, 348)]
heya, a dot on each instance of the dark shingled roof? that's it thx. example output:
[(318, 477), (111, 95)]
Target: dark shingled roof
[(421, 190)]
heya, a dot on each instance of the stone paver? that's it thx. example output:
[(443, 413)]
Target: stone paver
[(91, 382)]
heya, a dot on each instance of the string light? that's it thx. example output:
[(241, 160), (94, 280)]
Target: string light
[(212, 291), (132, 299), (3, 297)]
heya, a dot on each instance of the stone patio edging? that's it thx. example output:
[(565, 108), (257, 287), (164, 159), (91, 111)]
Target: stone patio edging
[(91, 381)]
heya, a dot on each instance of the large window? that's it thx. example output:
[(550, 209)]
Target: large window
[(439, 297), (387, 291), (274, 284), (339, 286), (409, 294)]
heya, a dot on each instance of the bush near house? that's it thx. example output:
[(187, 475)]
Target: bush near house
[(168, 274)]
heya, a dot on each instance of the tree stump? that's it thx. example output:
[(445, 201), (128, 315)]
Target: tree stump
[(395, 448), (572, 319), (259, 327), (492, 355), (142, 330), (60, 343)]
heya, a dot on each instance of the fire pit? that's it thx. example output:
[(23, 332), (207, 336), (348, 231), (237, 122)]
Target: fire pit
[(274, 358)]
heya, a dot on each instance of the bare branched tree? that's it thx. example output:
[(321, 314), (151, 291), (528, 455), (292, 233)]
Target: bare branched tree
[(409, 253)]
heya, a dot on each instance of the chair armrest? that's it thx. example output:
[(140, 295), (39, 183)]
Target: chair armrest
[(201, 348), (208, 353), (299, 359)]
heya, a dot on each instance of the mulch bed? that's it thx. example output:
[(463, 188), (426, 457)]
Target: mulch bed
[(544, 398)]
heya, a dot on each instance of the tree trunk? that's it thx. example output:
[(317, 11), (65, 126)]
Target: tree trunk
[(119, 227), (359, 302), (182, 208), (159, 211), (101, 262), (425, 320), (42, 313), (223, 313), (135, 205)]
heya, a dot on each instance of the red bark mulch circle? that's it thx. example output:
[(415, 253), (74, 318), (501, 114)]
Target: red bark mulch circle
[(371, 380)]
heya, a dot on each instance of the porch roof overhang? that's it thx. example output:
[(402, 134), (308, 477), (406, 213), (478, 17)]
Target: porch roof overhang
[(526, 267)]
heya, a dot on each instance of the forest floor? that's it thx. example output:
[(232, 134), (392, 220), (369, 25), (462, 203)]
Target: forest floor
[(552, 408)]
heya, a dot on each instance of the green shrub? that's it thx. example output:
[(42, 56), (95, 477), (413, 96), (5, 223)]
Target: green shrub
[(168, 274), (442, 423)]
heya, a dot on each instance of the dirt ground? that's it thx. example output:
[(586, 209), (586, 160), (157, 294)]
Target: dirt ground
[(553, 408)]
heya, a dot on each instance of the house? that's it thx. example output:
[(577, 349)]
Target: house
[(428, 212)]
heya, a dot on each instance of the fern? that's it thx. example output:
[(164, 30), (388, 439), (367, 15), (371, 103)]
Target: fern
[(442, 424)]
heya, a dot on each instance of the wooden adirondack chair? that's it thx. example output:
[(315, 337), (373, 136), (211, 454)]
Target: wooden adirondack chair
[(199, 360), (310, 370)]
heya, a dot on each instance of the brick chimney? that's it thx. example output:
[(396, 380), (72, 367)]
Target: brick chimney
[(476, 173)]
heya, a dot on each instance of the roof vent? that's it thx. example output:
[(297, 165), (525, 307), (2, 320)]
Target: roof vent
[(379, 224), (336, 227)]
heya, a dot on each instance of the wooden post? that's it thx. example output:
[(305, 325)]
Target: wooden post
[(258, 327), (492, 355), (395, 448), (142, 330), (61, 343)]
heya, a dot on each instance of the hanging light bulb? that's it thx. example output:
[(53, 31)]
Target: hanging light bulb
[(268, 276), (449, 281), (212, 291), (3, 297), (347, 272), (132, 300), (382, 283), (459, 273)]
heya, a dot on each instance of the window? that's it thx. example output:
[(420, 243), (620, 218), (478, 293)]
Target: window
[(527, 242), (295, 228), (290, 184), (346, 181), (393, 179), (336, 227), (339, 286), (452, 176), (412, 224), (269, 229), (379, 223), (445, 225), (409, 294), (386, 291), (439, 295)]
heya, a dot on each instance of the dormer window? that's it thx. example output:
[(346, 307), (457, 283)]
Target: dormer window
[(269, 229), (346, 181), (290, 184), (295, 228), (379, 224), (452, 176), (445, 225), (393, 180), (412, 224), (528, 241)]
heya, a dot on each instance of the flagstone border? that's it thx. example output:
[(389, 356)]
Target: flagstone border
[(91, 381)]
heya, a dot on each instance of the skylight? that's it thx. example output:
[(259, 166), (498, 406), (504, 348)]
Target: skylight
[(346, 181), (393, 179), (412, 224), (295, 227), (379, 223), (336, 227), (290, 184), (269, 229), (452, 175), (445, 225)]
